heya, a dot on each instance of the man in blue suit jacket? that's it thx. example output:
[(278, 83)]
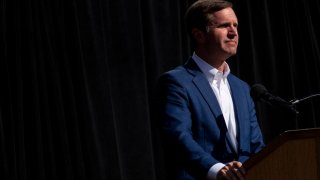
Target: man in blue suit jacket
[(208, 121)]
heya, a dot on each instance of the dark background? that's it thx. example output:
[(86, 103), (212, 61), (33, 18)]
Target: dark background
[(77, 78)]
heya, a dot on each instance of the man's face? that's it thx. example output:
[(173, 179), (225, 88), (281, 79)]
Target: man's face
[(222, 34)]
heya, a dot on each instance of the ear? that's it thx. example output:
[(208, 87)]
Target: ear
[(198, 35)]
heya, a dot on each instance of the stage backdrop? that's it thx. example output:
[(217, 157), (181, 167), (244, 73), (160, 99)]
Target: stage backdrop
[(77, 78)]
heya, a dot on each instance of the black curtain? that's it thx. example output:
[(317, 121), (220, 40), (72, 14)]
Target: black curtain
[(77, 79)]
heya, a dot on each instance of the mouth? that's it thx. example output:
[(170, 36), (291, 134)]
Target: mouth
[(233, 43)]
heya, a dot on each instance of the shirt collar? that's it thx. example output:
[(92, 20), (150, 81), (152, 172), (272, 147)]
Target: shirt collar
[(210, 72)]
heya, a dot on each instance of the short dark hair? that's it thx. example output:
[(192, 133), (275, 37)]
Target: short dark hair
[(197, 15)]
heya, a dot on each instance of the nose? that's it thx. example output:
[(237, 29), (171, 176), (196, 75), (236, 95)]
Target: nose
[(232, 31)]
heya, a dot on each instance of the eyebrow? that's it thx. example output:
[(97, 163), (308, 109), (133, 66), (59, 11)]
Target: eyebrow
[(226, 23)]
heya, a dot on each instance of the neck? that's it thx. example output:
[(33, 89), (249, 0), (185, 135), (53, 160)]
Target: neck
[(212, 59)]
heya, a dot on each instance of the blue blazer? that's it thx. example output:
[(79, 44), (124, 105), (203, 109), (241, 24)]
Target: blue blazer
[(193, 129)]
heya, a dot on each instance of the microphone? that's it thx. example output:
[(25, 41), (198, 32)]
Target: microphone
[(259, 92)]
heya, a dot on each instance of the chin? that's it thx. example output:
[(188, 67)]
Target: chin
[(230, 50), (231, 53)]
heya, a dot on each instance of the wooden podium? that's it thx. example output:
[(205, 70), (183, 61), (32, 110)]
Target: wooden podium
[(294, 155)]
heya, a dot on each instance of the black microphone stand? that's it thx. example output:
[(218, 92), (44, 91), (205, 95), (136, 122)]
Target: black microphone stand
[(294, 102)]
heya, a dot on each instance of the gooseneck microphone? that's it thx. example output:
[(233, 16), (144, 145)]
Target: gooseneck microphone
[(259, 93)]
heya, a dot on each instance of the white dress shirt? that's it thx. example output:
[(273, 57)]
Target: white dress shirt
[(220, 86)]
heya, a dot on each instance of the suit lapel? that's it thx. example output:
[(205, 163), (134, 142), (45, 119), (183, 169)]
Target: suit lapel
[(237, 97), (208, 95), (203, 86)]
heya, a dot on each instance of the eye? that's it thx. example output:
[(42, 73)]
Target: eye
[(224, 25), (235, 25)]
